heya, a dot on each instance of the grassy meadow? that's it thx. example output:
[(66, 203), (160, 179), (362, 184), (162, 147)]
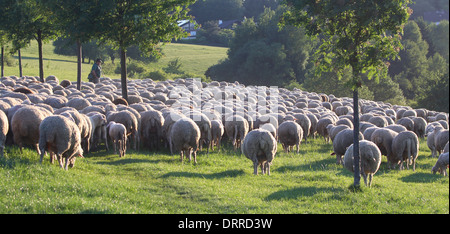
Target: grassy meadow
[(221, 183), (195, 59)]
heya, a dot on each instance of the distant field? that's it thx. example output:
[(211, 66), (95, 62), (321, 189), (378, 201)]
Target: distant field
[(195, 59)]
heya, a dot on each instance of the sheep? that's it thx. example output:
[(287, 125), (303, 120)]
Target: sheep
[(290, 133), (236, 128), (333, 130), (379, 121), (343, 140), (405, 146), (431, 136), (322, 127), (217, 131), (419, 126), (304, 122), (151, 131), (129, 120), (440, 139), (59, 135), (84, 125), (370, 160), (396, 127), (118, 134), (4, 128), (204, 124), (269, 127), (441, 164), (383, 137), (260, 147), (185, 138), (98, 129), (25, 126), (407, 122)]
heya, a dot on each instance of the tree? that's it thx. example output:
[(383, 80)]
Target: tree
[(144, 23), (76, 20), (208, 10), (359, 35), (28, 20)]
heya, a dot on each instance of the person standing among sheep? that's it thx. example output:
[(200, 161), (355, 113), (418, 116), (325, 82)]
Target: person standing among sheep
[(96, 72)]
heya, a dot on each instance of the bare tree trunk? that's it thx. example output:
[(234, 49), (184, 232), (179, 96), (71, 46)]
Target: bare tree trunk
[(41, 61), (123, 73), (3, 63), (20, 64), (356, 163), (79, 54)]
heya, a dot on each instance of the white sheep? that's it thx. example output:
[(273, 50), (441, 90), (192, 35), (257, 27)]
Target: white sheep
[(118, 134), (290, 133), (441, 164), (185, 138), (405, 146), (370, 160), (260, 147)]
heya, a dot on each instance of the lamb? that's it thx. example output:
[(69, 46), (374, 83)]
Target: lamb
[(236, 128), (217, 131), (260, 147), (383, 137), (151, 131), (4, 128), (25, 126), (370, 160), (185, 138), (59, 135), (290, 133), (118, 134), (405, 146), (342, 141), (129, 120), (441, 164)]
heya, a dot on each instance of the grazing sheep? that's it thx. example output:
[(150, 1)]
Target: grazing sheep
[(383, 137), (269, 127), (304, 122), (290, 133), (59, 135), (322, 127), (379, 121), (118, 134), (397, 128), (260, 147), (204, 124), (25, 126), (129, 120), (419, 126), (446, 148), (431, 136), (405, 146), (217, 131), (333, 130), (370, 160), (151, 131), (441, 164), (236, 128), (98, 129), (4, 128), (407, 122), (185, 138), (342, 141)]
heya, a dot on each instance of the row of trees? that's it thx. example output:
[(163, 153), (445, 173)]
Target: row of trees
[(119, 23), (262, 53)]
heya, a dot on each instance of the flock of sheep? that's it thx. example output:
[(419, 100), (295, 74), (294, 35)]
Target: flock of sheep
[(186, 115)]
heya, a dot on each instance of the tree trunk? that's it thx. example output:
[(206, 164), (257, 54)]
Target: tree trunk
[(356, 163), (41, 61), (20, 63), (123, 73), (3, 63), (79, 55)]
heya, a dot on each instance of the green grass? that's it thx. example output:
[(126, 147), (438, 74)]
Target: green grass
[(158, 183), (195, 59)]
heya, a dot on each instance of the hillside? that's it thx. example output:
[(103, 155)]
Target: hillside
[(195, 59)]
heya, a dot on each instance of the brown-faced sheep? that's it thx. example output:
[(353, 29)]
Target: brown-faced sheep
[(185, 138), (60, 136), (260, 147), (290, 133), (405, 147), (370, 160)]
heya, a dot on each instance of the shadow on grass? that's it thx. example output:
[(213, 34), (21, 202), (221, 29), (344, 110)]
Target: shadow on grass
[(299, 192), (421, 177), (219, 175)]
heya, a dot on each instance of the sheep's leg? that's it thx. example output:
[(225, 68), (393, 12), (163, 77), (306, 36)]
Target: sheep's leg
[(195, 157), (181, 155), (370, 180), (255, 168), (268, 168), (365, 178), (66, 164), (298, 148)]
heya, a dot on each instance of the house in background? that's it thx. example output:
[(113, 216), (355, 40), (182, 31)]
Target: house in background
[(228, 24), (189, 27), (435, 16)]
